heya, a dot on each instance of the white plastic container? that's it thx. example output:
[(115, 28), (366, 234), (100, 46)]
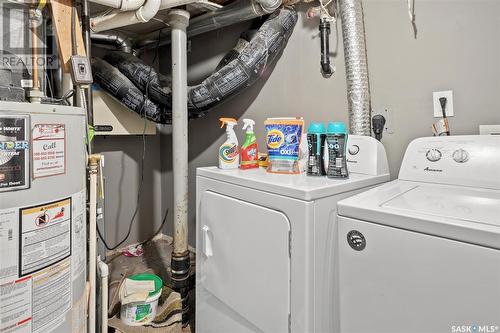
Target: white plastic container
[(142, 313)]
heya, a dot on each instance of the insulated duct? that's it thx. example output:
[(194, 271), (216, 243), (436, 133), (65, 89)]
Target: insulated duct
[(358, 88), (250, 60), (120, 87)]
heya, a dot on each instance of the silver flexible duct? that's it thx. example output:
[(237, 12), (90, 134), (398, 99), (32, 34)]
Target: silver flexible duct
[(358, 88)]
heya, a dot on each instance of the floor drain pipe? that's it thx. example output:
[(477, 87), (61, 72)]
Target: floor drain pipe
[(179, 20), (358, 88)]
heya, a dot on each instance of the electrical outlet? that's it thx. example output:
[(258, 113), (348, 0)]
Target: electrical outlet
[(438, 112), (388, 115)]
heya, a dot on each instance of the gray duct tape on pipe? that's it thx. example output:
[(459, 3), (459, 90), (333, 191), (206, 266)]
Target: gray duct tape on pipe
[(248, 64)]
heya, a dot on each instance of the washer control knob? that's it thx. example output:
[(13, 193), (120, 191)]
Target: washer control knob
[(354, 149), (433, 155), (460, 156)]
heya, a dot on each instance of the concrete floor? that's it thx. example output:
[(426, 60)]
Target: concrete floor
[(155, 259)]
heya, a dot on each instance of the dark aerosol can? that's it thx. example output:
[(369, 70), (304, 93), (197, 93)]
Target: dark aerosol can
[(316, 137), (336, 139)]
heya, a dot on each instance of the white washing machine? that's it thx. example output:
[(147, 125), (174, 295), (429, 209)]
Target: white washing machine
[(422, 253), (265, 244)]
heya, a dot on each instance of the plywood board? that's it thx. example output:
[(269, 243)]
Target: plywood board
[(61, 11)]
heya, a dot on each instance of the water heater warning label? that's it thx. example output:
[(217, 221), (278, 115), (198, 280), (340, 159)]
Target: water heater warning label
[(49, 150), (45, 235), (16, 312)]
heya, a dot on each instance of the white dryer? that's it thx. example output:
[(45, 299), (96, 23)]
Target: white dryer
[(422, 253), (265, 244)]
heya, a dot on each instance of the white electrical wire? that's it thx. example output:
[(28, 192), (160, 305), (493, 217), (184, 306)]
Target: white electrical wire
[(411, 14)]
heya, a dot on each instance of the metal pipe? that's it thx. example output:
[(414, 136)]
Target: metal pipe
[(116, 39), (57, 77), (34, 49), (238, 11), (324, 31), (358, 88), (35, 94), (179, 21), (67, 85), (93, 162), (88, 50), (118, 19)]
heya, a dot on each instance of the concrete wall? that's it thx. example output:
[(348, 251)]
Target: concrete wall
[(457, 49)]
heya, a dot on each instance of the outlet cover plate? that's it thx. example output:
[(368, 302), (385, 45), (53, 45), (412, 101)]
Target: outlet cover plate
[(438, 113)]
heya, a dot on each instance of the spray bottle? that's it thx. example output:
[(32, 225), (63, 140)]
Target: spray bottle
[(249, 149), (229, 157), (336, 140)]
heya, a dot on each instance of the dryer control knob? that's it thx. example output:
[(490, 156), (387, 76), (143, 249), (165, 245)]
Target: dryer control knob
[(433, 155), (460, 156), (354, 149)]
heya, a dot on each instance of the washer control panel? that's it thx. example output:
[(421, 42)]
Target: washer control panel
[(469, 160)]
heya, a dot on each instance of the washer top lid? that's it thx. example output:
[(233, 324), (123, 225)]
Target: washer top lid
[(456, 212), (468, 204), (301, 187)]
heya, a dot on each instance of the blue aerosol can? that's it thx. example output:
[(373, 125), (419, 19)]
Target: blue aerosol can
[(336, 140)]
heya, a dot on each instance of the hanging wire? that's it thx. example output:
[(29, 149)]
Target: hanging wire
[(411, 14)]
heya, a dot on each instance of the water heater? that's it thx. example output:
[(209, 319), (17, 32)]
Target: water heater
[(42, 219)]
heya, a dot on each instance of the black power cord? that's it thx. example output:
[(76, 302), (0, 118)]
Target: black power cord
[(378, 124), (139, 193)]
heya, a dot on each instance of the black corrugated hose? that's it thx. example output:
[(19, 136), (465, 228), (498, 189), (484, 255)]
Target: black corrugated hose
[(124, 76)]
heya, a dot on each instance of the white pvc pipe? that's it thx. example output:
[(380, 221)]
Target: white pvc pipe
[(166, 4), (117, 19), (120, 4), (270, 5), (93, 164), (179, 20), (104, 273)]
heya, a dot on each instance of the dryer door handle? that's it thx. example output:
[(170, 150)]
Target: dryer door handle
[(206, 241)]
